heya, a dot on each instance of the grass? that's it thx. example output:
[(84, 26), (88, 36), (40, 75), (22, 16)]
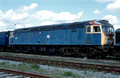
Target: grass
[(3, 63), (69, 74), (35, 66)]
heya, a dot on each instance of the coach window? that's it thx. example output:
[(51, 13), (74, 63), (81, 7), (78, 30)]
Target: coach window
[(11, 34), (88, 29), (96, 29)]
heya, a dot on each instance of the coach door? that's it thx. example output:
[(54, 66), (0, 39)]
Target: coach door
[(88, 37)]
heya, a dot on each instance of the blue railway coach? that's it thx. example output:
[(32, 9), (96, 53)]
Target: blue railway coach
[(4, 40), (78, 38), (117, 42), (117, 37)]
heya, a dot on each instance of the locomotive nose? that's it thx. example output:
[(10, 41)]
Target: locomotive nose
[(110, 39), (110, 42)]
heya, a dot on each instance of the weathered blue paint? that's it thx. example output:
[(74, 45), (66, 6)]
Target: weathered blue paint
[(61, 34)]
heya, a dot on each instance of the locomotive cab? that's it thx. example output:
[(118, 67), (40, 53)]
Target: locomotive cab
[(100, 34), (103, 28), (93, 34)]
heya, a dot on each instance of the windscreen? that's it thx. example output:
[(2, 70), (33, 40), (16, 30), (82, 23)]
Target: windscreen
[(108, 29)]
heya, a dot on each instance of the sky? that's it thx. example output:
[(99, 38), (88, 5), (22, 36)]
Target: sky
[(16, 14)]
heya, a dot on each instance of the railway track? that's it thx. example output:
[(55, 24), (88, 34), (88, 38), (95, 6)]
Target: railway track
[(84, 66), (5, 73)]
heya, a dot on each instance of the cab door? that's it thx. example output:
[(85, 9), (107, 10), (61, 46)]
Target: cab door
[(88, 37)]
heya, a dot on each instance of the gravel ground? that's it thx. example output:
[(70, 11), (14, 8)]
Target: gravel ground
[(56, 72)]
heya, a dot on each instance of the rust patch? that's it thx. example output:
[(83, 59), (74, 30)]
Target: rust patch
[(25, 36), (34, 34)]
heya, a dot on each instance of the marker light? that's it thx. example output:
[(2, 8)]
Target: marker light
[(94, 23), (91, 22)]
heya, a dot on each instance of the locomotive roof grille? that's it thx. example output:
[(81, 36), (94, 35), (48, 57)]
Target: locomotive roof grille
[(52, 27)]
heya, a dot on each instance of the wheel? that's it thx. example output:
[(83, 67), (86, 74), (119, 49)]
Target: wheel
[(61, 51)]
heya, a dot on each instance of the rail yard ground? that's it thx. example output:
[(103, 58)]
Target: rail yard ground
[(112, 62), (55, 72), (58, 72)]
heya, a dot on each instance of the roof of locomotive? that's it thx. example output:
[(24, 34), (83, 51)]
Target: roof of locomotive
[(52, 27), (5, 31), (59, 26), (117, 30)]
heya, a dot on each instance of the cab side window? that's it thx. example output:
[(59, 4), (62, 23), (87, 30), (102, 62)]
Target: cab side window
[(88, 29), (96, 29)]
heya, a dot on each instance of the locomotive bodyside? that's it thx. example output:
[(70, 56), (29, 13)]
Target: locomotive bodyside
[(65, 34)]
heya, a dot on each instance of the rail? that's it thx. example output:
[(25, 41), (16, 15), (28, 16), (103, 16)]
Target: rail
[(24, 74)]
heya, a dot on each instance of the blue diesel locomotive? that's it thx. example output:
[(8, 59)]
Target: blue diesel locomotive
[(87, 38)]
